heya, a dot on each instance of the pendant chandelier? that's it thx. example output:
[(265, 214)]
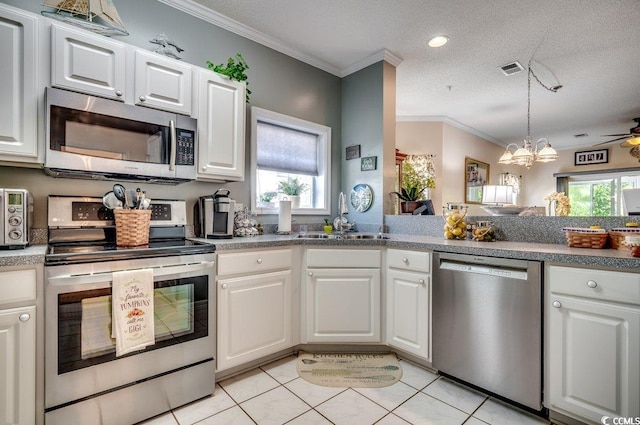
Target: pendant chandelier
[(528, 153)]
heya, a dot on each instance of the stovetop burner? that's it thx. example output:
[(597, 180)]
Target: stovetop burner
[(83, 252), (80, 232)]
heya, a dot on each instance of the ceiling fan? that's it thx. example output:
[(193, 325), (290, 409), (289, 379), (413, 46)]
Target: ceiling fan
[(633, 136)]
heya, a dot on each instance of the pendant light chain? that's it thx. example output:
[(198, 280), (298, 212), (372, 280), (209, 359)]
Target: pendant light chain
[(529, 153), (529, 102)]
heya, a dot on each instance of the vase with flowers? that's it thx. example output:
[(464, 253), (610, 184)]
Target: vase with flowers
[(558, 204), (418, 178)]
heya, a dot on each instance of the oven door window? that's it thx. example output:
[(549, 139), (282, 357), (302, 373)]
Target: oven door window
[(84, 321), (103, 136)]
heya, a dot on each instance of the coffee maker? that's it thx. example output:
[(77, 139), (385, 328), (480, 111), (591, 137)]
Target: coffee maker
[(214, 215)]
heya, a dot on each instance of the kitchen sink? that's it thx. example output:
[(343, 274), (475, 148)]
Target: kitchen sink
[(351, 236)]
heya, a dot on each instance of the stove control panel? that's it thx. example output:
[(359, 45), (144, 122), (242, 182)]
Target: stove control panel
[(77, 212)]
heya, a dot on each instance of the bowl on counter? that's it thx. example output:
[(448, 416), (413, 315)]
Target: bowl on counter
[(503, 209)]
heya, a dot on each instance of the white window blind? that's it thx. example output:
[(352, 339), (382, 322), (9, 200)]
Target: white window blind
[(286, 149)]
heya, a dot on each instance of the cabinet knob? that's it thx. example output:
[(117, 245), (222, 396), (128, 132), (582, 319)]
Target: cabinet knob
[(592, 284), (224, 286), (259, 261), (204, 168), (421, 281), (24, 317), (310, 273), (557, 304), (119, 93), (143, 99), (405, 260)]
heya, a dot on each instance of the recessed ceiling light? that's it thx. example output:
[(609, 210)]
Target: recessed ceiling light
[(438, 41)]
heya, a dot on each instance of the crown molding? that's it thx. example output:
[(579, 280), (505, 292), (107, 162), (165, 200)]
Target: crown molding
[(452, 123), (192, 8), (381, 55)]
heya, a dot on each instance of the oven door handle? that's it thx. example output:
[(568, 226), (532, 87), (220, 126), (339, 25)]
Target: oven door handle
[(107, 276)]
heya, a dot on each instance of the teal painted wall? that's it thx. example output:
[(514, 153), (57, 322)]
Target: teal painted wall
[(362, 124)]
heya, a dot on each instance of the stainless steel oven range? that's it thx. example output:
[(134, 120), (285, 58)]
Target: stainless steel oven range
[(85, 382)]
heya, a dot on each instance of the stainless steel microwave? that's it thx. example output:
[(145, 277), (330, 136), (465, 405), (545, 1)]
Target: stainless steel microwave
[(91, 137)]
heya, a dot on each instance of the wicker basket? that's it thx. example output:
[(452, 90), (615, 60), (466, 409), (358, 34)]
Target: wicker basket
[(616, 236), (586, 238), (132, 227)]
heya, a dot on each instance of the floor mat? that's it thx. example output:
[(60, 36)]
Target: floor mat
[(360, 370)]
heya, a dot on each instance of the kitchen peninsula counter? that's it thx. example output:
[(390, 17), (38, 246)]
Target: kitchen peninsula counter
[(601, 258)]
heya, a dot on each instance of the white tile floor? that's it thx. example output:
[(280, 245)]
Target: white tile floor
[(274, 394)]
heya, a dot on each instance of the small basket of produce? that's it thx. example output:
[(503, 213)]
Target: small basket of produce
[(617, 235), (586, 238), (483, 231)]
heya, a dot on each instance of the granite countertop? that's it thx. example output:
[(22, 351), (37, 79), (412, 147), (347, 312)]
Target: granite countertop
[(607, 258)]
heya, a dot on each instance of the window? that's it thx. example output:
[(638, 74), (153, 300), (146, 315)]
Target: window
[(599, 194), (287, 150)]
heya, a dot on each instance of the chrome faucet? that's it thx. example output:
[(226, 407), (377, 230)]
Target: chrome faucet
[(342, 210)]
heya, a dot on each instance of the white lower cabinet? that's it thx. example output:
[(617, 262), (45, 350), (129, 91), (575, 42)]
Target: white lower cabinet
[(254, 306), (408, 302), (342, 304), (593, 339), (18, 346)]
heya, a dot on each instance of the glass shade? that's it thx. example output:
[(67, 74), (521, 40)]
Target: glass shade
[(522, 156), (506, 158), (547, 154), (634, 141)]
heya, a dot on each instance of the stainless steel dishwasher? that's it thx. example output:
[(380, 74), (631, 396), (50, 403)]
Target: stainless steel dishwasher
[(487, 324)]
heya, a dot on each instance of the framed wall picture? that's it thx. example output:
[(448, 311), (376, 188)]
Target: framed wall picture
[(368, 163), (476, 175), (353, 152), (600, 156)]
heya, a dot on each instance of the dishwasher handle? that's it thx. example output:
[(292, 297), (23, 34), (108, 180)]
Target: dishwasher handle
[(505, 272)]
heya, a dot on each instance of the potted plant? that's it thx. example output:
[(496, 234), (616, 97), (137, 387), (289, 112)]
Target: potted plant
[(292, 188), (328, 227), (234, 70), (410, 197), (267, 198)]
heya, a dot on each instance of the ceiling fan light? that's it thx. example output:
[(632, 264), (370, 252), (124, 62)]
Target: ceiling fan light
[(634, 141)]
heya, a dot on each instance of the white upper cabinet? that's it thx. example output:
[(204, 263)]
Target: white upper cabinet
[(162, 82), (221, 127), (88, 63), (99, 66), (18, 85)]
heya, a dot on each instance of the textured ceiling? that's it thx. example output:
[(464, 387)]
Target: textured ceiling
[(590, 47)]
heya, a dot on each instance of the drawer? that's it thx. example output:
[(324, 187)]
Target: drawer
[(596, 284), (253, 262), (17, 286), (409, 260), (343, 258)]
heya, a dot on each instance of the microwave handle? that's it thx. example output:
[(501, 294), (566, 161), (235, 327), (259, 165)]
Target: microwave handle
[(172, 157)]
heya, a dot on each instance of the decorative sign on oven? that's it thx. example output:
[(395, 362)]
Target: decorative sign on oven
[(132, 315)]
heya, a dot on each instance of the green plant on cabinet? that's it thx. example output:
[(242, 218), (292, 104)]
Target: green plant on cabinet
[(234, 69)]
